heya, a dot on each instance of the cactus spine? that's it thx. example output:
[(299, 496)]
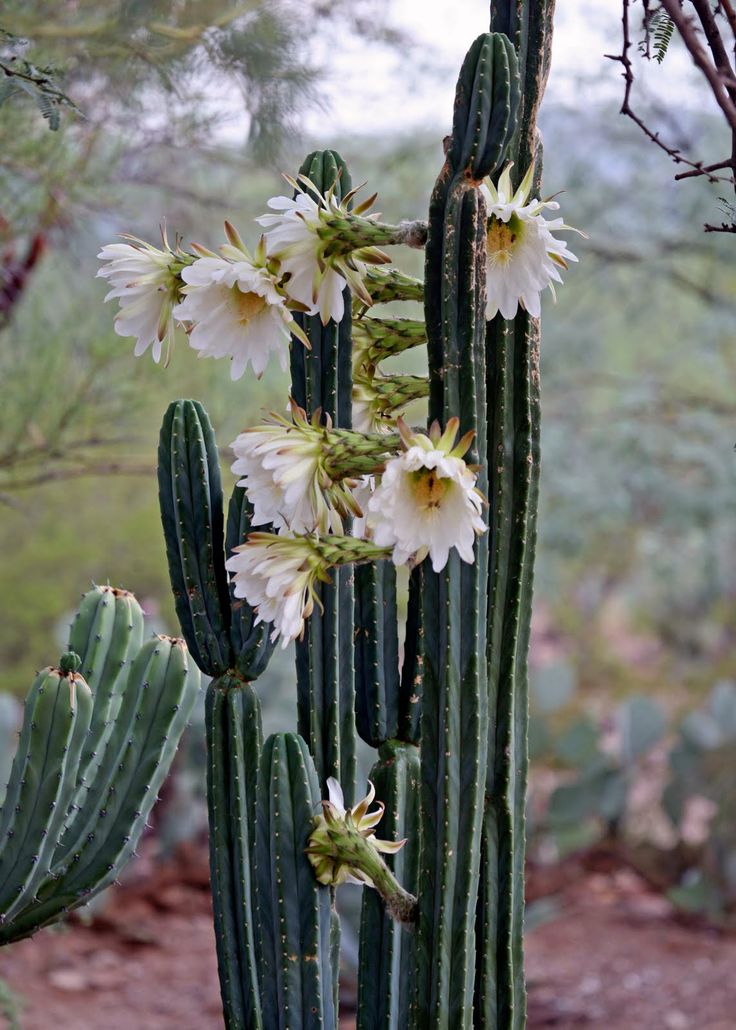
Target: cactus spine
[(89, 762)]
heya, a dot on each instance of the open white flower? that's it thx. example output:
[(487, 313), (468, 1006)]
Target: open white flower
[(302, 236), (235, 308), (523, 256), (146, 284), (426, 502), (282, 465), (277, 575)]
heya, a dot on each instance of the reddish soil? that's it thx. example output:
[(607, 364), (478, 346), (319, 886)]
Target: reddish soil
[(612, 955)]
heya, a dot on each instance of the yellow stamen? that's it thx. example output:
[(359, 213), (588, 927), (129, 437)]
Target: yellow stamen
[(429, 488), (248, 304)]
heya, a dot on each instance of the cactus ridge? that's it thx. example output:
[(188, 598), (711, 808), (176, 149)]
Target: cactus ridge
[(298, 948), (233, 728), (190, 495), (160, 693), (385, 976)]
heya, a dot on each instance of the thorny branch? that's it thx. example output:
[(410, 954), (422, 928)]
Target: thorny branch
[(713, 23)]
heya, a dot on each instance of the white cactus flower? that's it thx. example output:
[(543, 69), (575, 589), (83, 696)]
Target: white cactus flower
[(281, 463), (523, 256), (277, 575), (426, 502), (300, 235), (145, 283), (235, 309)]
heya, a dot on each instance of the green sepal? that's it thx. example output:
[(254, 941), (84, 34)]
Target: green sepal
[(296, 973), (190, 496)]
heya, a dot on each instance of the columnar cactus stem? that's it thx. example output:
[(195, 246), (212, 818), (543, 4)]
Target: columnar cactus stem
[(321, 379), (233, 725), (297, 946), (513, 456), (455, 698), (386, 975)]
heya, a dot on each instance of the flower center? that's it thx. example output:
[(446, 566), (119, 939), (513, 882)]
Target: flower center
[(248, 305), (429, 488), (502, 237)]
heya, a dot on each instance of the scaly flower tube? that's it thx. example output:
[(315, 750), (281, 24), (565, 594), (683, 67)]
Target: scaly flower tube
[(426, 502), (235, 307), (343, 848), (523, 256)]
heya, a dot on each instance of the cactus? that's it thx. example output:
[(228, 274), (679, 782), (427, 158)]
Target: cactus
[(89, 762), (321, 380), (448, 717)]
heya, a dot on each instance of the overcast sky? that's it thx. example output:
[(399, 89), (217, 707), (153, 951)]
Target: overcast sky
[(372, 90)]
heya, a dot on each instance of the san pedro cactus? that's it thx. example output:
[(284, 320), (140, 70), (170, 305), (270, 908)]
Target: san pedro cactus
[(329, 502), (91, 758)]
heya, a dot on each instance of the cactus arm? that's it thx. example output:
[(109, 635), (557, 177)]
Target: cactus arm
[(321, 379), (296, 923), (233, 727), (106, 634), (162, 685), (385, 976), (43, 778), (190, 495)]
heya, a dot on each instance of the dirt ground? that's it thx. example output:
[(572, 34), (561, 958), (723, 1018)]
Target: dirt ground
[(606, 952)]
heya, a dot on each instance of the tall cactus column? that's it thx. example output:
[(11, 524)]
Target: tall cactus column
[(322, 380), (512, 350), (454, 602)]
